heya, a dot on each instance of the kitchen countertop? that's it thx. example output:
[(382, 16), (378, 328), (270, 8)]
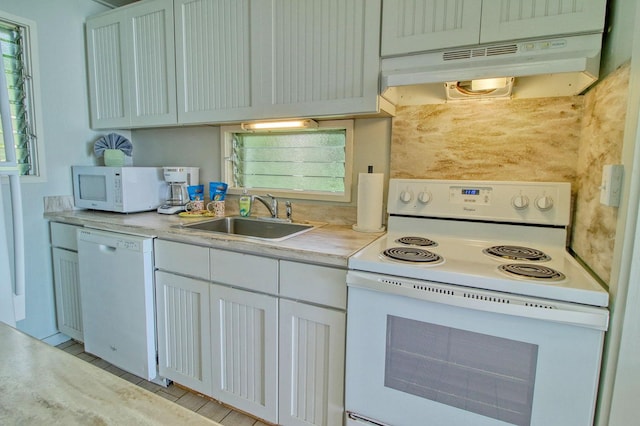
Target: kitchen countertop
[(326, 244), (40, 384)]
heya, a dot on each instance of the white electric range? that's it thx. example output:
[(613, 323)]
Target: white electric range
[(470, 310)]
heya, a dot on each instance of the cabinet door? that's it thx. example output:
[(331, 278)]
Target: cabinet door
[(213, 45), (517, 19), (312, 351), (316, 57), (245, 350), (132, 66), (184, 343), (67, 286), (108, 71), (421, 25), (150, 46)]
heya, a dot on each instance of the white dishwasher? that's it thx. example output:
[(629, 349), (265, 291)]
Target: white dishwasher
[(116, 287)]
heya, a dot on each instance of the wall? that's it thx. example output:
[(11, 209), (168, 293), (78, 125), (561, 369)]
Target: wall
[(594, 227), (66, 138)]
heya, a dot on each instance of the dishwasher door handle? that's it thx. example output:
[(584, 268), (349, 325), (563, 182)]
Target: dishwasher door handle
[(107, 249)]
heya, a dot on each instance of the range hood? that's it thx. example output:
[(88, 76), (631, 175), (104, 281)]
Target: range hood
[(545, 67)]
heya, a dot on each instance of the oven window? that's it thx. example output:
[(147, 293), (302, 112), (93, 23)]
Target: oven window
[(487, 375)]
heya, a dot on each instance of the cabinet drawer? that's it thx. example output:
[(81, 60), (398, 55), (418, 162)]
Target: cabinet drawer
[(64, 236), (185, 259), (245, 271), (313, 283)]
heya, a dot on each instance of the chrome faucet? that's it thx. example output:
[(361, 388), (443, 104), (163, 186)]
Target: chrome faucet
[(272, 205)]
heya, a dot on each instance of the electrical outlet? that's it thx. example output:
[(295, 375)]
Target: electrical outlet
[(611, 185)]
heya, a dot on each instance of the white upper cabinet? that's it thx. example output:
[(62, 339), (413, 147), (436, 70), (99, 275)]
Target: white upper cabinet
[(213, 53), (420, 25), (516, 19), (317, 57), (410, 26), (108, 68), (233, 60), (132, 66)]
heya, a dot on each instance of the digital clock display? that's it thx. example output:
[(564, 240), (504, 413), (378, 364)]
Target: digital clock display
[(466, 191)]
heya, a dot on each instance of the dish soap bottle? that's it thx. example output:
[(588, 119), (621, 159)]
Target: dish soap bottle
[(245, 203)]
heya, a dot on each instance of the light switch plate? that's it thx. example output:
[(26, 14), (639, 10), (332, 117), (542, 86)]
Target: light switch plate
[(611, 185)]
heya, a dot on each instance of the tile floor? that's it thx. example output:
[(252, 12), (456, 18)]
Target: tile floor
[(191, 400)]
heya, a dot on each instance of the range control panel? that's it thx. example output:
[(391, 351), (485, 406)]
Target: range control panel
[(544, 203)]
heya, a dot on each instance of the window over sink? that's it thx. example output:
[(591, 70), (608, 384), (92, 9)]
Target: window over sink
[(304, 164)]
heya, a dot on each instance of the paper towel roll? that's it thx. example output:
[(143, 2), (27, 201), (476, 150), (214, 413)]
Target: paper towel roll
[(370, 187)]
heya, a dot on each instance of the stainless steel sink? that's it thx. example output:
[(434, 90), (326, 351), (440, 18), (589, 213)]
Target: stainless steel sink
[(251, 227)]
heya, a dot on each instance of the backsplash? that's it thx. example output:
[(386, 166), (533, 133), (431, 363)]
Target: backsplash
[(528, 139), (565, 139), (594, 225)]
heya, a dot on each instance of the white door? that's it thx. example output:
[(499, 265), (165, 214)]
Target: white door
[(67, 286), (512, 20), (184, 337), (410, 26), (244, 327), (108, 69), (213, 60), (149, 43), (316, 57), (312, 348)]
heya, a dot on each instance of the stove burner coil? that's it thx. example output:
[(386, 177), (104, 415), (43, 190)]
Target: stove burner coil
[(409, 254), (536, 272), (417, 241), (517, 253)]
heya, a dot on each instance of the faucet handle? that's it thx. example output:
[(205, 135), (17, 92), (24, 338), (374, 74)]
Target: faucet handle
[(288, 209), (274, 205)]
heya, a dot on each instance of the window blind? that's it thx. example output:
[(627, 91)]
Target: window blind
[(299, 161), (12, 39)]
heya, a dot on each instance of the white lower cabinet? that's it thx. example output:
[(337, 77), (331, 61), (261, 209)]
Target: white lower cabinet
[(66, 280), (311, 358), (184, 337), (266, 336), (245, 350)]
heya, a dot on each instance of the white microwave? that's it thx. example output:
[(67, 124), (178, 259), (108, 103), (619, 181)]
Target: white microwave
[(118, 189)]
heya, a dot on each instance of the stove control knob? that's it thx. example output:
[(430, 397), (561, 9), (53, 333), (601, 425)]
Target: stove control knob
[(424, 197), (520, 202), (544, 203), (406, 196)]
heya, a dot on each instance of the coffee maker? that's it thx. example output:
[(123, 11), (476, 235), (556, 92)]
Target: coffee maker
[(178, 178)]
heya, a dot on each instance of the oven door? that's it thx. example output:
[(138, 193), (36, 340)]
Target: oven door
[(413, 362)]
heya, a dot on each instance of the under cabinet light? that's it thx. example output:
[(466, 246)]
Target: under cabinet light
[(488, 84), (283, 124)]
